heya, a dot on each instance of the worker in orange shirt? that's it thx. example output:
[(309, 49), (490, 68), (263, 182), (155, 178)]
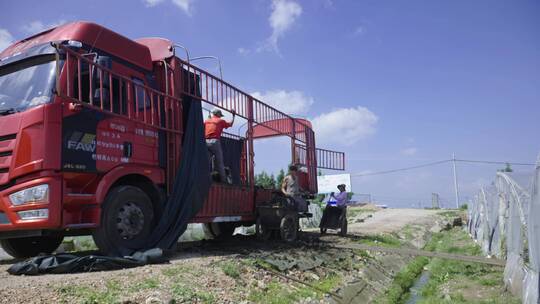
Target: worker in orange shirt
[(213, 127)]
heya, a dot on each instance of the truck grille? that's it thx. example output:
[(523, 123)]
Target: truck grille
[(7, 145)]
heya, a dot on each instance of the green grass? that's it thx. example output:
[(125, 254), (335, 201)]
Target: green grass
[(278, 293), (409, 230), (449, 214), (403, 281), (79, 243), (148, 283), (176, 271), (89, 295), (383, 240), (231, 269), (446, 271), (183, 293), (353, 212)]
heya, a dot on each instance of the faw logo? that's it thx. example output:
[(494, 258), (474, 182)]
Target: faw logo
[(82, 142)]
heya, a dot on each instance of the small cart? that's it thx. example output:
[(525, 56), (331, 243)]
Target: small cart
[(334, 218), (279, 218)]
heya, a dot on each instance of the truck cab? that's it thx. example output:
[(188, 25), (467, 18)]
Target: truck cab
[(59, 160)]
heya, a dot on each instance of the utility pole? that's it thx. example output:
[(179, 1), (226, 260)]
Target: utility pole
[(455, 179), (435, 201)]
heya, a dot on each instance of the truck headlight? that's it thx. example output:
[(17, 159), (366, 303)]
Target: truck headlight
[(39, 193)]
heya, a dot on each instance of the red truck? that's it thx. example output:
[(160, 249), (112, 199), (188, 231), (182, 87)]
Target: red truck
[(93, 133)]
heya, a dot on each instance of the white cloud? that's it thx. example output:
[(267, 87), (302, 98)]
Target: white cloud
[(243, 51), (409, 151), (345, 126), (360, 30), (185, 5), (292, 102), (5, 39), (37, 26), (284, 14), (150, 3)]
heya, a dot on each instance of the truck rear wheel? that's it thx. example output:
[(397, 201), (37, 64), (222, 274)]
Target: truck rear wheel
[(127, 219), (31, 246), (263, 232), (222, 231), (289, 227)]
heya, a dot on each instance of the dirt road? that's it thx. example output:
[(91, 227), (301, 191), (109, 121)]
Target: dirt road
[(228, 272), (392, 220)]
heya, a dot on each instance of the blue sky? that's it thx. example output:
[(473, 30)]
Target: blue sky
[(391, 83)]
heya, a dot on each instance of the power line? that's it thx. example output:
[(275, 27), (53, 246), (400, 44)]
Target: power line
[(493, 162), (403, 169), (442, 162)]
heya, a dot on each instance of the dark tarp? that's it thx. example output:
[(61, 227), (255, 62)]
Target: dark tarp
[(191, 184), (232, 154), (69, 263)]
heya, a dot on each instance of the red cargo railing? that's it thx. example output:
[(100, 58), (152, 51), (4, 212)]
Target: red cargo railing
[(332, 160), (95, 86), (223, 95)]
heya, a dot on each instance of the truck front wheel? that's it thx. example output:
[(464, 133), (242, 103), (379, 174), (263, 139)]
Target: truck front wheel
[(31, 246), (127, 219)]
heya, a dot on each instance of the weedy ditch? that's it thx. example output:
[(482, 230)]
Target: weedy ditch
[(439, 280)]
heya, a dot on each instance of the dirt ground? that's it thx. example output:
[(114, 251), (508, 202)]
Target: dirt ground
[(241, 270), (392, 220)]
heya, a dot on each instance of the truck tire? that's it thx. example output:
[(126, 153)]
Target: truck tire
[(263, 232), (31, 246), (127, 219), (222, 231), (289, 227)]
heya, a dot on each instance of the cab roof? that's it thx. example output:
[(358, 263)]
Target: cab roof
[(90, 34)]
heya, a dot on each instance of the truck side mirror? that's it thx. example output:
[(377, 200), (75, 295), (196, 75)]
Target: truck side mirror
[(104, 61)]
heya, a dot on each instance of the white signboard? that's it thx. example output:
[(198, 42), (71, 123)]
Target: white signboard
[(328, 183)]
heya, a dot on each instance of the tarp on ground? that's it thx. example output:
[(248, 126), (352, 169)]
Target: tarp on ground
[(69, 263)]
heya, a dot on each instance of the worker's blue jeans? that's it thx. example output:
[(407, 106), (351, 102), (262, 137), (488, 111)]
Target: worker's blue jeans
[(214, 147)]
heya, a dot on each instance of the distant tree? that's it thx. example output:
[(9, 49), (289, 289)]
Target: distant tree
[(508, 168), (279, 178), (265, 181)]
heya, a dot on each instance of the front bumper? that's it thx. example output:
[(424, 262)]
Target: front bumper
[(10, 220)]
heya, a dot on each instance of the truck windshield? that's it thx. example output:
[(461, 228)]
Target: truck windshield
[(26, 85)]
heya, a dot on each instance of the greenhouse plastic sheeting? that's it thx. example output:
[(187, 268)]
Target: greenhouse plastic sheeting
[(504, 218)]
